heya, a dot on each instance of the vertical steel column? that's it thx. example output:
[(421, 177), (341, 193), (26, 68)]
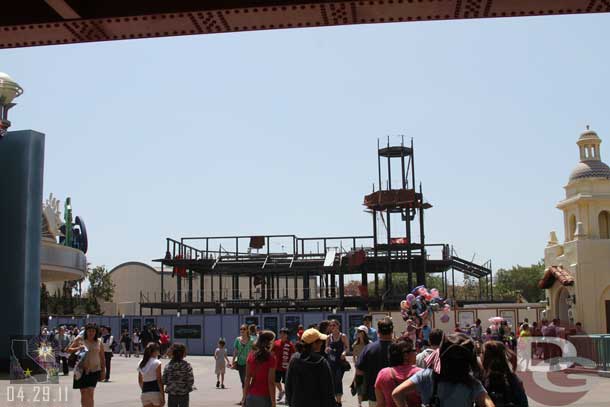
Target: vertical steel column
[(190, 293), (491, 277), (388, 276), (201, 287), (178, 278), (250, 286), (220, 296), (21, 183), (453, 281), (162, 294), (421, 276), (341, 289)]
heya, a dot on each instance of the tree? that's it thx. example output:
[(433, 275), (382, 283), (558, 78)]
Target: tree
[(101, 286), (520, 280)]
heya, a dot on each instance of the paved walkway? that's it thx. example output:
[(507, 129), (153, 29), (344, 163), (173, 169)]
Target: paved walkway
[(123, 389)]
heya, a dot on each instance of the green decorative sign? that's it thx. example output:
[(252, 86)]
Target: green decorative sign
[(187, 331)]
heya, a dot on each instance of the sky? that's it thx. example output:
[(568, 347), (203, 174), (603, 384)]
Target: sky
[(275, 132)]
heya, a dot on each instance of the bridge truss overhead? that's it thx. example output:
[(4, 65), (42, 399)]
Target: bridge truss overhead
[(27, 23)]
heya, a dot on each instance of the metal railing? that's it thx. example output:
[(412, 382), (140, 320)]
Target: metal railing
[(595, 348), (288, 246)]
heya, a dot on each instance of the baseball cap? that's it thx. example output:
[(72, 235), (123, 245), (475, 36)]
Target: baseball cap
[(311, 335), (363, 328)]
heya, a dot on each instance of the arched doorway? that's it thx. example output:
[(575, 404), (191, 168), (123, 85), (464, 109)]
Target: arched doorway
[(562, 307), (605, 311), (604, 225)]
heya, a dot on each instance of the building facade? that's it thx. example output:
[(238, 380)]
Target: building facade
[(577, 276)]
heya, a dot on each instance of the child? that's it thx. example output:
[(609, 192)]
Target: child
[(283, 349), (220, 354), (178, 378)]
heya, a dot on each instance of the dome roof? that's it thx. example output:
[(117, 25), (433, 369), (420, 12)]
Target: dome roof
[(590, 169), (588, 135)]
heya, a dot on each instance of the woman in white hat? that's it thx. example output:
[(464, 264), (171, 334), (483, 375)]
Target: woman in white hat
[(362, 339)]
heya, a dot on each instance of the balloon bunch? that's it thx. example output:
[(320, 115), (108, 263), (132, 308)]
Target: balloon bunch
[(420, 304)]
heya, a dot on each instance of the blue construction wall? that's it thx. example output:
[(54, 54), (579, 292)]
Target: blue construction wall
[(213, 327)]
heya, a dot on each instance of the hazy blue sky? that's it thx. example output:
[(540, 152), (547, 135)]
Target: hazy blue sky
[(275, 132)]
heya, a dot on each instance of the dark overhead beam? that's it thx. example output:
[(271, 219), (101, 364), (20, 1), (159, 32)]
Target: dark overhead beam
[(63, 9), (48, 25)]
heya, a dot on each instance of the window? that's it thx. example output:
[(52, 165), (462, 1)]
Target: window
[(604, 232), (572, 227)]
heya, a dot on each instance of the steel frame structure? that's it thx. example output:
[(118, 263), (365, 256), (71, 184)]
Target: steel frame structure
[(274, 276)]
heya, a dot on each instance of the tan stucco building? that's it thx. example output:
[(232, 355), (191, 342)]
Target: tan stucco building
[(133, 278), (577, 278)]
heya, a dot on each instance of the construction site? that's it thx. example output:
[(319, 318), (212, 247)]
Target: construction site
[(267, 273)]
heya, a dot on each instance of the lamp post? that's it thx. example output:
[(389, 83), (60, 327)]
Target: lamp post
[(9, 90)]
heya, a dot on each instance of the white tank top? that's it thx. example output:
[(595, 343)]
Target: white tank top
[(149, 371)]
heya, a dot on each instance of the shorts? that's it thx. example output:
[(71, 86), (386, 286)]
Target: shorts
[(280, 377), (257, 401), (153, 397), (88, 380), (221, 369)]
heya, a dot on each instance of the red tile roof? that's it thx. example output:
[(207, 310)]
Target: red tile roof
[(556, 273)]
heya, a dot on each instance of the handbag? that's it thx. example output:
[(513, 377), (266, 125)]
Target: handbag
[(345, 366), (72, 360)]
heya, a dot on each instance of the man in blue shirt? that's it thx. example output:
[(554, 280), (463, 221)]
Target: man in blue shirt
[(375, 357)]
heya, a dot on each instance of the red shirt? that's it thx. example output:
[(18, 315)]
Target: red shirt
[(260, 373), (283, 352), (164, 339)]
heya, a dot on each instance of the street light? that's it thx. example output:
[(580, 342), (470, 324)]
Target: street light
[(9, 90)]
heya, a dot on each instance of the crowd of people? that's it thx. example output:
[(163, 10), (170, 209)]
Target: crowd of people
[(391, 369), (422, 366), (412, 368)]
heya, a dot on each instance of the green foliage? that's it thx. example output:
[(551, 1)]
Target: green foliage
[(100, 284), (520, 280)]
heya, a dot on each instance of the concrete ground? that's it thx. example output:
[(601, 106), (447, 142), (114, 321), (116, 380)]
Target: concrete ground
[(123, 389)]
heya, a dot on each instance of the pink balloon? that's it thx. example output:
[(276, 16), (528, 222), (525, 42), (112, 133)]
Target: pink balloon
[(410, 297), (445, 318)]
